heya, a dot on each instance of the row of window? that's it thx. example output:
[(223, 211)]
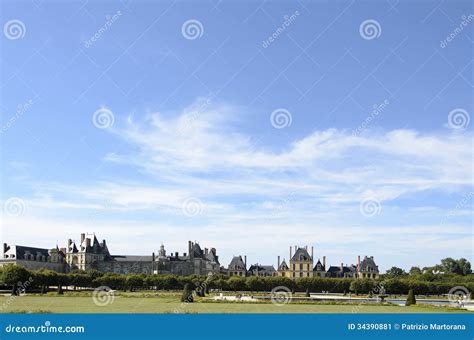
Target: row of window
[(301, 266), (30, 257)]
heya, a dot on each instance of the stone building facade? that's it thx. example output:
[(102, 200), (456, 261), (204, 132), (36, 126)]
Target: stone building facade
[(301, 265), (89, 253)]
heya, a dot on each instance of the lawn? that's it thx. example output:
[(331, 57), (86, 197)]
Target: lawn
[(140, 303)]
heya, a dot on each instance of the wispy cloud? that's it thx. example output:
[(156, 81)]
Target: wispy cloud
[(306, 191)]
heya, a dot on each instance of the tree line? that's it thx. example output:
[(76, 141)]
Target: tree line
[(42, 281)]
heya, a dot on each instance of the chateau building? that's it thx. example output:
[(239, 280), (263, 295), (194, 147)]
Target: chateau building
[(237, 266), (342, 271), (89, 253), (261, 270), (367, 268), (301, 265), (196, 261)]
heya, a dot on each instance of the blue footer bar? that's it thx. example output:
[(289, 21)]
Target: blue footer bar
[(237, 326)]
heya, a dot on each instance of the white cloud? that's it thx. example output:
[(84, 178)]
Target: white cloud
[(307, 191)]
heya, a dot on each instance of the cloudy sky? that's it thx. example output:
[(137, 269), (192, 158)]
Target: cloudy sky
[(246, 126)]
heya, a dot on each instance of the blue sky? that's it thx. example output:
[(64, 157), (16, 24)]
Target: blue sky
[(149, 122)]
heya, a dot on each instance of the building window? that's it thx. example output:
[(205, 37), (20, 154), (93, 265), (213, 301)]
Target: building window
[(301, 266)]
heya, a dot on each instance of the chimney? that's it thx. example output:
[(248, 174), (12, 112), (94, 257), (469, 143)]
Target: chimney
[(358, 263), (312, 253), (245, 261), (83, 236), (5, 248), (206, 251), (153, 256), (176, 254), (88, 242), (342, 267), (290, 253), (278, 262), (190, 246), (324, 262), (103, 243), (184, 254), (296, 248)]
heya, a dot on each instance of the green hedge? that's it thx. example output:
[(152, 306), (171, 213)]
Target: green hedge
[(90, 279)]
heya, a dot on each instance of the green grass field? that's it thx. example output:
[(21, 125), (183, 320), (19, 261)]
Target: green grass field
[(170, 303)]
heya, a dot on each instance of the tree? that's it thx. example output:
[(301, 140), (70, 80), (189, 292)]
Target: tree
[(411, 300), (13, 275), (61, 280), (169, 282), (133, 281), (187, 294), (464, 266), (255, 283), (111, 280), (236, 283), (450, 265), (415, 271), (362, 286), (396, 272)]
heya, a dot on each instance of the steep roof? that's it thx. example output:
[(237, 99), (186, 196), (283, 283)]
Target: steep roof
[(73, 248), (197, 251), (301, 255), (368, 264), (283, 266), (21, 251), (318, 266), (261, 269), (237, 263), (211, 256), (132, 258)]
